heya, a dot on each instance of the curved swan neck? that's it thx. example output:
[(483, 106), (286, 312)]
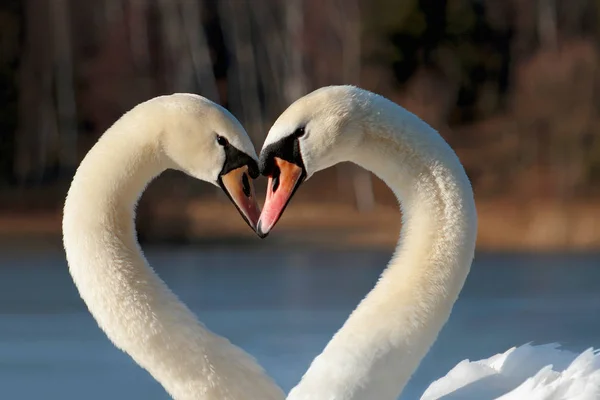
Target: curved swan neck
[(382, 343), (135, 309), (115, 173)]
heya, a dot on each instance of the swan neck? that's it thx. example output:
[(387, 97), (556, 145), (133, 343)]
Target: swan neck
[(383, 341), (115, 173), (130, 303)]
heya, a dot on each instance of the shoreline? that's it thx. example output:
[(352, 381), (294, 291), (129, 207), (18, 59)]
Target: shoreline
[(540, 226)]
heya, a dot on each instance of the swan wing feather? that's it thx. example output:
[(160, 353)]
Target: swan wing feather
[(543, 372)]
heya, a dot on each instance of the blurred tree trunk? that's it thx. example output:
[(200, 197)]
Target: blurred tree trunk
[(64, 86), (176, 72), (138, 33), (349, 31), (351, 62), (37, 117), (547, 29), (271, 58), (280, 54), (11, 25), (198, 54), (189, 66), (295, 85), (244, 96), (47, 113)]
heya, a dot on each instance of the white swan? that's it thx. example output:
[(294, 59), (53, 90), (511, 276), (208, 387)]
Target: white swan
[(131, 304), (382, 343)]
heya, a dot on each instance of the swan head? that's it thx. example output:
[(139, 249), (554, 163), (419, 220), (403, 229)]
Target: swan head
[(207, 142), (316, 132)]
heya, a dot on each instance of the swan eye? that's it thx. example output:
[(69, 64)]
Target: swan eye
[(300, 132), (222, 141)]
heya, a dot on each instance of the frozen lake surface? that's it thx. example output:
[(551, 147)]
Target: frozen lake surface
[(282, 307)]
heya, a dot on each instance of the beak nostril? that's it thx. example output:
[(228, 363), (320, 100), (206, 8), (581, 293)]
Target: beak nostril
[(246, 185), (275, 177)]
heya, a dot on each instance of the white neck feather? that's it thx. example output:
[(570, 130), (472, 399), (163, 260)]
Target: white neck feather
[(129, 301), (382, 343)]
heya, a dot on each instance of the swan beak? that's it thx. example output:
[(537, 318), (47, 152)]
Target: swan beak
[(282, 185), (238, 186)]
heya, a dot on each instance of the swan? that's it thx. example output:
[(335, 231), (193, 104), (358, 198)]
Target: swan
[(383, 341), (130, 303)]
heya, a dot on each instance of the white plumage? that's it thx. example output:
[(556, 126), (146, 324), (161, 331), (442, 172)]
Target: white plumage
[(381, 344), (543, 372), (131, 304), (377, 350)]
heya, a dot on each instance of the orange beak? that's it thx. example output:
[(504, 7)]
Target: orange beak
[(280, 189), (238, 186)]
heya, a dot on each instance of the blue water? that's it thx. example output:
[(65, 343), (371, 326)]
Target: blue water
[(281, 306)]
